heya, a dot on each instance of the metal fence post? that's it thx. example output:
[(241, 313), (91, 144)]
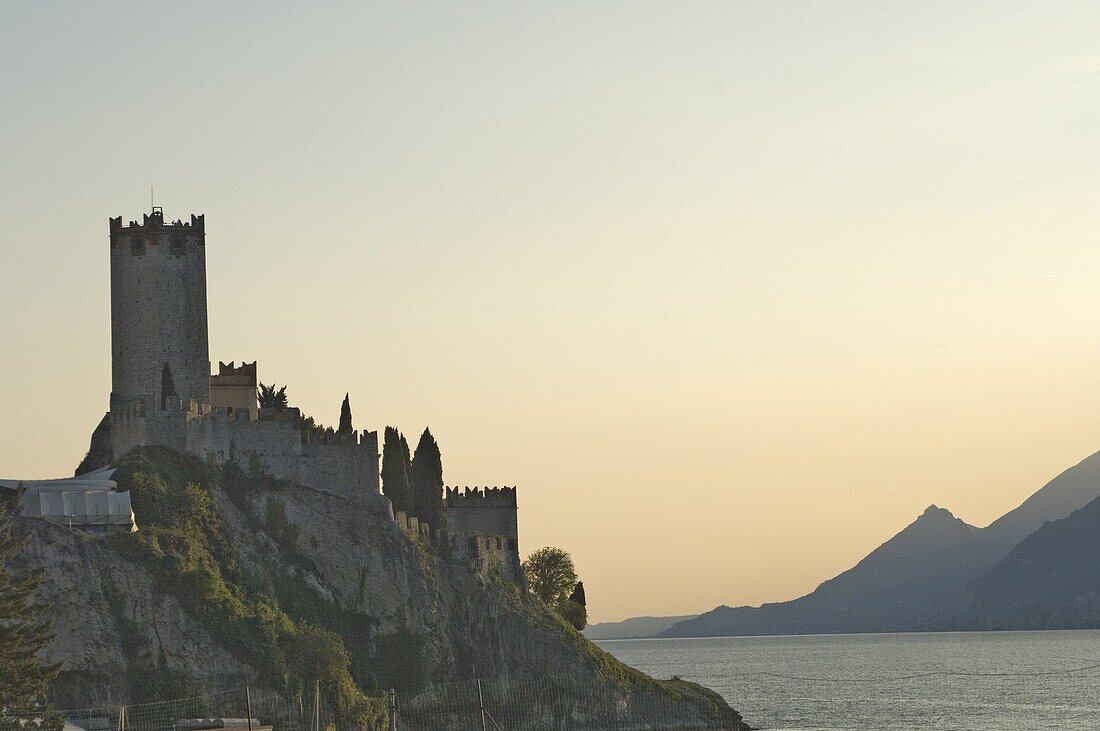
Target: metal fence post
[(393, 710), (481, 705), (317, 705), (248, 706)]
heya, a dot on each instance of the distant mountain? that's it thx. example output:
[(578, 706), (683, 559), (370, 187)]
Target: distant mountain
[(633, 628), (918, 580), (1051, 580)]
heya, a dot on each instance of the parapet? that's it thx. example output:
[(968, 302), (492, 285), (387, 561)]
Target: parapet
[(230, 375), (154, 223), (232, 369), (478, 497)]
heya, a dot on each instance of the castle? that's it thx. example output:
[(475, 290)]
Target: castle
[(163, 393)]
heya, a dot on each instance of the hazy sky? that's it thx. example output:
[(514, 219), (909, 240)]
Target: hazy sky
[(732, 291)]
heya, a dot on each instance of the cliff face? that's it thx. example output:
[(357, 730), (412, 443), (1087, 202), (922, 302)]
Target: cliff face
[(229, 573)]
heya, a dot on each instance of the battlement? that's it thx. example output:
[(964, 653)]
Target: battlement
[(154, 222), (231, 375), (474, 497)]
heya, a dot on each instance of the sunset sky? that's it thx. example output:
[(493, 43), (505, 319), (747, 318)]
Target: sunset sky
[(731, 291)]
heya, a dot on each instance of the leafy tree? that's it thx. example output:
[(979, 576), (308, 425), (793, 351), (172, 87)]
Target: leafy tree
[(321, 658), (573, 609), (23, 631), (550, 574), (395, 470), (426, 477), (345, 427), (270, 398)]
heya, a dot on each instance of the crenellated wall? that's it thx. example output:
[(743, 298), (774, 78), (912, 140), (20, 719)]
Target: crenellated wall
[(346, 466), (488, 511), (158, 307), (483, 528)]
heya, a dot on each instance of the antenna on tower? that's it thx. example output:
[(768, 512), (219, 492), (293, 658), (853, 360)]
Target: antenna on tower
[(151, 206)]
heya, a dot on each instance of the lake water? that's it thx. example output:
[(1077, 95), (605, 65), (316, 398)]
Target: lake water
[(965, 680)]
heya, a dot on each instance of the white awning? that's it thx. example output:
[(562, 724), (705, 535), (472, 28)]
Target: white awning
[(87, 500)]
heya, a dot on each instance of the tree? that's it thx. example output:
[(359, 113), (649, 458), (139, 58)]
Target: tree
[(550, 574), (271, 398), (573, 609), (577, 597), (426, 477), (395, 474), (345, 417), (167, 386), (23, 631)]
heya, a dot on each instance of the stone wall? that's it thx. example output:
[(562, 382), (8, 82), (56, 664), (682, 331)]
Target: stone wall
[(489, 511), (234, 389), (483, 529), (158, 308), (345, 466)]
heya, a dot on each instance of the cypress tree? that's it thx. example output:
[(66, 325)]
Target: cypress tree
[(395, 474), (426, 476), (577, 597), (23, 632), (345, 417), (405, 455), (167, 386)]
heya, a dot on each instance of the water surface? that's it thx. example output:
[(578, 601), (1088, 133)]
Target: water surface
[(965, 680)]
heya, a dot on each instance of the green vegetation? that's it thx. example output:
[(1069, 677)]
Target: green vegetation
[(185, 543), (402, 661), (426, 478), (395, 470), (23, 633), (278, 526), (270, 398), (167, 385), (552, 578), (573, 608), (550, 574), (345, 427), (610, 668)]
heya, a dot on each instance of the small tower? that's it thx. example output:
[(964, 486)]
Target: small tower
[(158, 309)]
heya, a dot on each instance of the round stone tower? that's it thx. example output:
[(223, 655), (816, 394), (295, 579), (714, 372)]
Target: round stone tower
[(158, 309)]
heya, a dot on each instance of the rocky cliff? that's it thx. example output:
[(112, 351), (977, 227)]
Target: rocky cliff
[(237, 578)]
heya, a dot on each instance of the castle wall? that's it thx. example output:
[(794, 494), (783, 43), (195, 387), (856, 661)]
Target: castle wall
[(158, 308), (273, 443), (234, 389), (491, 511), (158, 317)]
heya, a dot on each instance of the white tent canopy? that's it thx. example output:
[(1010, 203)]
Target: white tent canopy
[(85, 501)]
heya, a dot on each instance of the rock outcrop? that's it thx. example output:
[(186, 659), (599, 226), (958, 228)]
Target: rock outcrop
[(160, 613)]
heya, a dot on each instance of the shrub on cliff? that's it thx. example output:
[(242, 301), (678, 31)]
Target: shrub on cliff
[(185, 542), (574, 608), (23, 634), (550, 574)]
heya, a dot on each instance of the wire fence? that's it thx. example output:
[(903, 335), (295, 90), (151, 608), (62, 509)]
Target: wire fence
[(551, 704), (474, 705)]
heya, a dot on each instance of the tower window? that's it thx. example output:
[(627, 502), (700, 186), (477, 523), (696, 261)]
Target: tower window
[(137, 247), (176, 247)]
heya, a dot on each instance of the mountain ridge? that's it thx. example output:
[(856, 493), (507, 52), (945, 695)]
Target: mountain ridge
[(918, 580)]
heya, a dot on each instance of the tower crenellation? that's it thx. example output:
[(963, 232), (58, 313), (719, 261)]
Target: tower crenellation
[(159, 340)]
